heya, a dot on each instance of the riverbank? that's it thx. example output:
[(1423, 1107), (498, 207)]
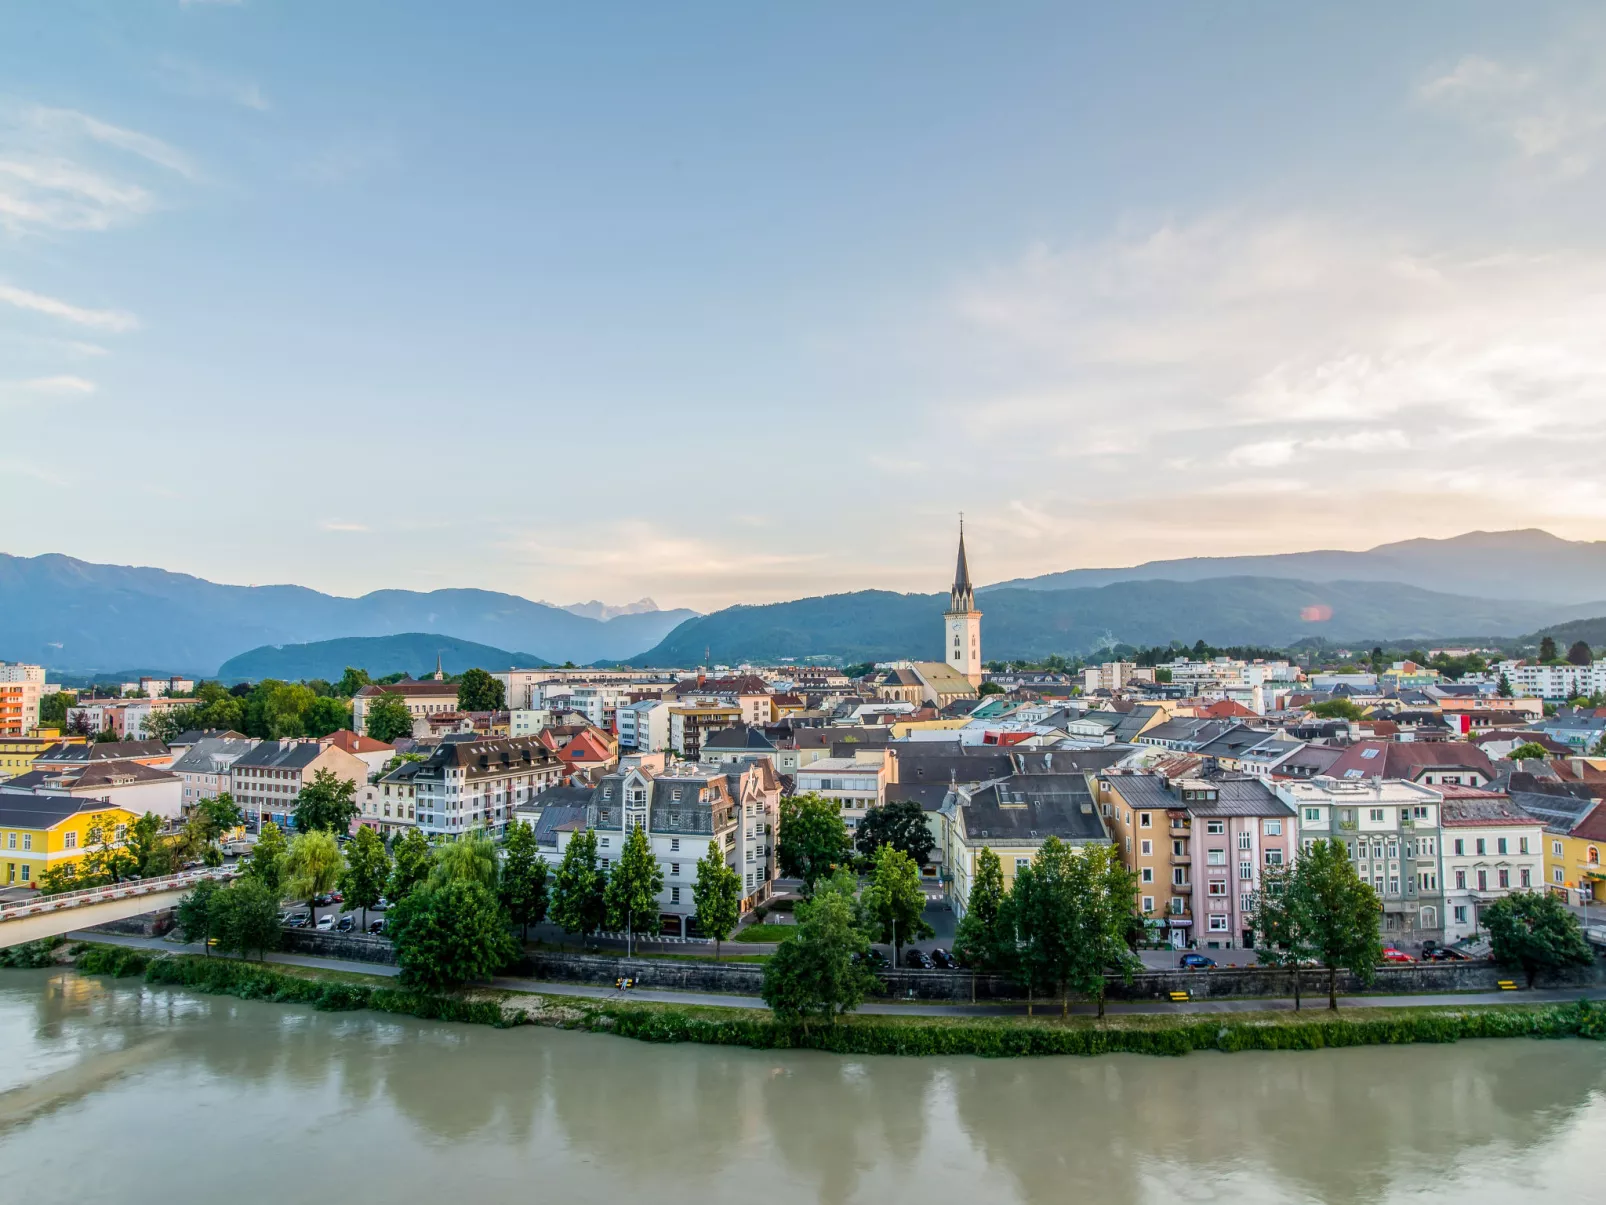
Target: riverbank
[(992, 1037)]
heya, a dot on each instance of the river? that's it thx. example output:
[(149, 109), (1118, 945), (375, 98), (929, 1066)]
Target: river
[(111, 1091)]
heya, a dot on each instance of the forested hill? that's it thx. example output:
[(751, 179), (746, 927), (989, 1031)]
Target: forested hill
[(876, 624)]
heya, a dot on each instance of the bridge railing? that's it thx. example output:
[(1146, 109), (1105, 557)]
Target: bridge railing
[(111, 891)]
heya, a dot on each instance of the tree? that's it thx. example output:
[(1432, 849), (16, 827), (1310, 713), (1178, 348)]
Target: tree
[(1533, 931), (1579, 654), (1282, 937), (53, 709), (1528, 751), (267, 859), (1504, 689), (327, 715), (989, 688), (578, 887), (1101, 891), (312, 866), (1044, 918), (367, 872), (900, 825), (194, 913), (449, 934), (894, 901), (523, 885), (1547, 650), (478, 691), (386, 718), (411, 860), (1336, 709), (105, 859), (812, 842), (718, 896), (326, 804), (982, 942), (1342, 914), (144, 840), (471, 856), (244, 916), (633, 887), (351, 682), (819, 971)]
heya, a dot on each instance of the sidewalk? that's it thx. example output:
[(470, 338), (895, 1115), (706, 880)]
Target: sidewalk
[(1313, 1005)]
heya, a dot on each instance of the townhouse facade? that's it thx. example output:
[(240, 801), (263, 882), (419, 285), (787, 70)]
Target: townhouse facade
[(469, 785), (268, 779), (1491, 848), (39, 832), (855, 784), (423, 699), (206, 768)]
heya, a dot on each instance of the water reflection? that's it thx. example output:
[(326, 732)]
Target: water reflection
[(406, 1104)]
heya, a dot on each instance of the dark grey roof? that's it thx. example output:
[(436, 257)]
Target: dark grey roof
[(295, 755), (554, 818), (1066, 761), (738, 736), (1555, 809), (1031, 808), (1238, 797), (481, 756), (562, 796), (962, 768), (929, 795), (212, 755), (23, 809), (99, 751)]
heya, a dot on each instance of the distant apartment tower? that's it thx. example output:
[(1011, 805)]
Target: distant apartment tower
[(21, 687)]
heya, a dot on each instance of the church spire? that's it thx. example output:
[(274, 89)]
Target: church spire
[(962, 597)]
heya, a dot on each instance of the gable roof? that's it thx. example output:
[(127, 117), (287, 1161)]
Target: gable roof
[(353, 742), (23, 809), (739, 736), (1409, 759), (1030, 808)]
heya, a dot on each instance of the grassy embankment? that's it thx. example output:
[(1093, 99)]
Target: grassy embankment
[(1004, 1036)]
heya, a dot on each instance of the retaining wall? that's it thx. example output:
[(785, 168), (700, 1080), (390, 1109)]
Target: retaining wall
[(355, 947)]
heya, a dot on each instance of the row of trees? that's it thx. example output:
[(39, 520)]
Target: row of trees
[(813, 843)]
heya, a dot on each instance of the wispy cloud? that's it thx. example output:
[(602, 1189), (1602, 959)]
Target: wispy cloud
[(106, 320), (47, 387), (341, 525), (62, 170), (192, 79), (1552, 112)]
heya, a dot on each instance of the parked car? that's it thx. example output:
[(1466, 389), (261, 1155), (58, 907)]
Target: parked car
[(326, 922), (918, 960), (376, 926), (1390, 954), (345, 924), (1196, 962), (381, 904), (944, 959), (1444, 954), (874, 959), (297, 920)]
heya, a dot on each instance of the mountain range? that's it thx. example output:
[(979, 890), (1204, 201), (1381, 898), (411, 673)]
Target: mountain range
[(77, 618), (1520, 565), (74, 616)]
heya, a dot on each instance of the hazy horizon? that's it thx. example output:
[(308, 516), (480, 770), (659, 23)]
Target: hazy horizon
[(723, 304)]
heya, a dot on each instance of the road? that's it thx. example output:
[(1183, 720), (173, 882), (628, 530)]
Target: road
[(878, 1008)]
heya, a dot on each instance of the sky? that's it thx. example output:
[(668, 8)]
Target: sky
[(737, 302)]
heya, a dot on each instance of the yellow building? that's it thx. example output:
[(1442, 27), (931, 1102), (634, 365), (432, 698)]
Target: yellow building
[(1573, 857), (38, 832)]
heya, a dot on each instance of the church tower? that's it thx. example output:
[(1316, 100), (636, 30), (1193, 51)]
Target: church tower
[(962, 622)]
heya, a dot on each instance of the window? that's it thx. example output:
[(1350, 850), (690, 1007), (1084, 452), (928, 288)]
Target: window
[(1460, 847), (1555, 849), (1460, 914), (11, 840), (1216, 857), (1218, 887), (27, 840), (674, 868), (1427, 881), (1505, 877), (71, 841), (1218, 924), (1460, 880), (674, 895), (1148, 874), (1215, 827), (674, 844), (603, 842), (1527, 877), (1482, 846), (1376, 815), (1483, 880), (1313, 815), (1022, 863), (1179, 876), (1246, 871), (1246, 840), (1177, 850), (1500, 845), (1145, 820), (1148, 848), (1272, 828), (1522, 845), (1274, 857), (1148, 903), (1394, 886)]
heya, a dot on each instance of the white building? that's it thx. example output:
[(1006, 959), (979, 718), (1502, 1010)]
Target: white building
[(1492, 848), (1552, 682), (471, 785), (856, 784), (644, 726), (1391, 830)]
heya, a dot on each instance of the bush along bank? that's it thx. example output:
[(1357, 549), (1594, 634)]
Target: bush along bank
[(861, 1035)]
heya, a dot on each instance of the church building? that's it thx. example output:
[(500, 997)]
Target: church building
[(962, 622)]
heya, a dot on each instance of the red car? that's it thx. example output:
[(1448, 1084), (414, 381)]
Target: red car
[(1392, 955)]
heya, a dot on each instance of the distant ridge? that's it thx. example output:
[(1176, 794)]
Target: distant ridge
[(411, 653)]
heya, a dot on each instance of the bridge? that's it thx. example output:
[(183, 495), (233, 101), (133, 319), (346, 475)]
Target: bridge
[(50, 915)]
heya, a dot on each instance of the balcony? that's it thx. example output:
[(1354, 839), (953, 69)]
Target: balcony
[(1182, 859)]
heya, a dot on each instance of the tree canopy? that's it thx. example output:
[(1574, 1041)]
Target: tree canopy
[(478, 691), (1528, 751), (633, 886), (578, 885), (367, 872), (1533, 931), (718, 896), (522, 886), (450, 934), (894, 901), (386, 718), (1340, 912), (411, 860), (812, 842), (983, 941), (312, 865), (818, 972), (901, 825), (328, 804)]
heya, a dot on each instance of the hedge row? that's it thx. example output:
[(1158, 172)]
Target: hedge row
[(32, 954), (875, 1035), (863, 1035), (256, 981)]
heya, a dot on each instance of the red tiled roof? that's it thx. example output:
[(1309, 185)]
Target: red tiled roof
[(352, 742)]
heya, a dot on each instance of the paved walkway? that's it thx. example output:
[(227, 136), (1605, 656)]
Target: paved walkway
[(596, 991)]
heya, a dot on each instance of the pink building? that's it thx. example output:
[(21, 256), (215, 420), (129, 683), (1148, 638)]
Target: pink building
[(1236, 828)]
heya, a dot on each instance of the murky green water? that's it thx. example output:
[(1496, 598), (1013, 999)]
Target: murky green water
[(112, 1092)]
